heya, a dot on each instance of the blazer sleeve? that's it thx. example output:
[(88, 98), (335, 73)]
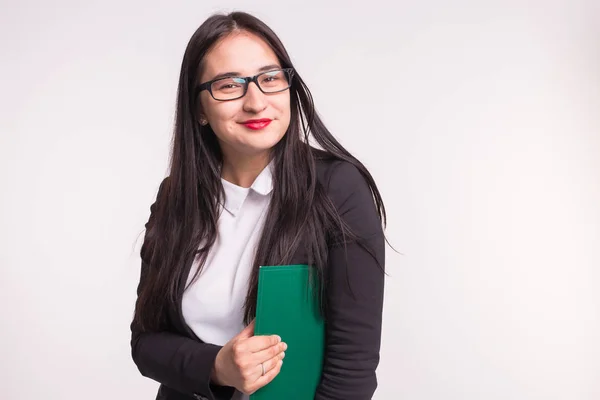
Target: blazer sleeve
[(174, 360), (355, 285)]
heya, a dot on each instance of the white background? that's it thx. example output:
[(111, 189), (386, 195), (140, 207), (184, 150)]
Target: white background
[(478, 119)]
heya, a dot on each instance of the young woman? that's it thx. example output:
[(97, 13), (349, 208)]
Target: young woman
[(245, 189)]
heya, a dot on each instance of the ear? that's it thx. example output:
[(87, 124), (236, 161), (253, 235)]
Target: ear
[(202, 120)]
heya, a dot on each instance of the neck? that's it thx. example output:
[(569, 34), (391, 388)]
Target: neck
[(242, 170)]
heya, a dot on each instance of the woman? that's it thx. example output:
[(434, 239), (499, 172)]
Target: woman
[(246, 189)]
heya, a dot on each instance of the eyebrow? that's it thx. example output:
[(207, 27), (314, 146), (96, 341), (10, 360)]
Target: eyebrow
[(230, 74)]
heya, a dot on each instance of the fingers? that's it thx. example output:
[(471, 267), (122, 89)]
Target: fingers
[(266, 378), (272, 362), (270, 352), (256, 344)]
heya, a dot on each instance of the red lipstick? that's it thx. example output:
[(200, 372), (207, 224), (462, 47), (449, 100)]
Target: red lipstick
[(256, 124)]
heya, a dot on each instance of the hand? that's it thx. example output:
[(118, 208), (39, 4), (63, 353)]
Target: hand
[(238, 363)]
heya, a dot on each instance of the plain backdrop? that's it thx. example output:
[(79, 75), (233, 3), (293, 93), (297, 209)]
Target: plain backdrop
[(478, 119)]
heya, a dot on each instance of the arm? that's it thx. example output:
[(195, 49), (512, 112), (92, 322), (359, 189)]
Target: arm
[(174, 360), (354, 294)]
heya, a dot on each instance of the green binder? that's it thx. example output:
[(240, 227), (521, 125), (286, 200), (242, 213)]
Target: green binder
[(287, 305)]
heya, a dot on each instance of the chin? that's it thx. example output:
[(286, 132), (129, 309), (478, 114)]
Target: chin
[(261, 141)]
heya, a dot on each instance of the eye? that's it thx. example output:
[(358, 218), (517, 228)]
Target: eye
[(228, 84), (271, 78)]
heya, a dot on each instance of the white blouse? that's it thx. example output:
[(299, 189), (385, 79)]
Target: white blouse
[(213, 305)]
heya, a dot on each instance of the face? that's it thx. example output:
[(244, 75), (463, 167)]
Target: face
[(245, 54)]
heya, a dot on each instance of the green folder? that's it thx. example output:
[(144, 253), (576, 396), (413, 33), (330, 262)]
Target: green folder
[(287, 305)]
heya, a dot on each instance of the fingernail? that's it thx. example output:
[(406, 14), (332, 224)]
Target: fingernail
[(285, 346), (278, 339)]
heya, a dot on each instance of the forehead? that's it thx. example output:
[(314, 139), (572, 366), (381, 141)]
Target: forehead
[(241, 52)]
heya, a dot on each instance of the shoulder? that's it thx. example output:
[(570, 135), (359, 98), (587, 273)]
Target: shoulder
[(340, 178), (351, 194), (162, 189), (347, 186)]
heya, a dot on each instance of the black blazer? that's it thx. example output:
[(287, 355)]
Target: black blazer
[(182, 363)]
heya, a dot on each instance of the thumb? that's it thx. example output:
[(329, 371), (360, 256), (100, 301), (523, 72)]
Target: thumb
[(248, 331)]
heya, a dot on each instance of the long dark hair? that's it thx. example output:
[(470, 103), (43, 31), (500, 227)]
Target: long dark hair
[(184, 220)]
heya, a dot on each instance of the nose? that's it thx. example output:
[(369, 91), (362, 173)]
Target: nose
[(254, 101)]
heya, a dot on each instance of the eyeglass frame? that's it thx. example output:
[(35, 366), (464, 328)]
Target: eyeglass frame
[(247, 80)]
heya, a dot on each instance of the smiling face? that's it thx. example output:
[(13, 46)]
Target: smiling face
[(244, 54)]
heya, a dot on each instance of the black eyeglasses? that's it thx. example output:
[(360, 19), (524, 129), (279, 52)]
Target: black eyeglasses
[(234, 87)]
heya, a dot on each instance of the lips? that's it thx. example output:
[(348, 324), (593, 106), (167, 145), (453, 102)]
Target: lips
[(256, 124)]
